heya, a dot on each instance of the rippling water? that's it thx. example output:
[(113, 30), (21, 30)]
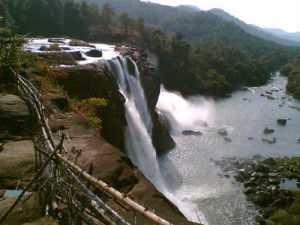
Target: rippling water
[(188, 169)]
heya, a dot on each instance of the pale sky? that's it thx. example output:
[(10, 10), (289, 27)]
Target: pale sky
[(284, 14)]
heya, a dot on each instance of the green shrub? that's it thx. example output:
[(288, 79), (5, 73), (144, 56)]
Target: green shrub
[(91, 108)]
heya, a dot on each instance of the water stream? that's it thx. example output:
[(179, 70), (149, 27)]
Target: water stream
[(189, 170)]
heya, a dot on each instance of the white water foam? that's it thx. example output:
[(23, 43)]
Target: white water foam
[(194, 113), (138, 134)]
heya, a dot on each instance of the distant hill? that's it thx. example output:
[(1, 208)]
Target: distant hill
[(276, 35), (189, 8), (283, 34)]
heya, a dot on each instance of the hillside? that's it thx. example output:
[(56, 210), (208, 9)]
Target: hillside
[(199, 27), (265, 34), (283, 34)]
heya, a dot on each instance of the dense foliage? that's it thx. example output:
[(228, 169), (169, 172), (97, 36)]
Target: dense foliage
[(203, 55), (292, 71), (10, 45)]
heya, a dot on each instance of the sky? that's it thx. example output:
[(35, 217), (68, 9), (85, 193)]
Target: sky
[(283, 14)]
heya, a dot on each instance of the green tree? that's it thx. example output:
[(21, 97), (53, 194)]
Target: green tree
[(126, 23), (10, 47), (108, 13)]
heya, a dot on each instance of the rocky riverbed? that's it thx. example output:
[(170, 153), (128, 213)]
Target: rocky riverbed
[(272, 184)]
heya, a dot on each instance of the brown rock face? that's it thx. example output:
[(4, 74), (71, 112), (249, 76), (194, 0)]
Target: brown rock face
[(14, 115), (96, 81), (16, 163)]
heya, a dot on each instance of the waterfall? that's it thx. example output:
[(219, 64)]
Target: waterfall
[(138, 140), (138, 135)]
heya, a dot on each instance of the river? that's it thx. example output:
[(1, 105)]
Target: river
[(188, 170), (187, 175)]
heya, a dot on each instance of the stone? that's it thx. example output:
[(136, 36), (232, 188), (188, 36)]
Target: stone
[(270, 97), (57, 40), (262, 168), (249, 190), (94, 53), (222, 132), (269, 162), (77, 55), (16, 163), (261, 199), (14, 114), (281, 122), (191, 132), (227, 139), (268, 130), (269, 141)]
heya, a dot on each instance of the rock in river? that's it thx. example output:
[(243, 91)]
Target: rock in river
[(222, 132), (281, 122), (268, 131), (191, 132)]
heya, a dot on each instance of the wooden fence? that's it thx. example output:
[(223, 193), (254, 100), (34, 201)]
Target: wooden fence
[(63, 187)]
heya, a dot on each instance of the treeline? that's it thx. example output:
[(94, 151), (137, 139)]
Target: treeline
[(64, 18), (292, 71), (223, 57)]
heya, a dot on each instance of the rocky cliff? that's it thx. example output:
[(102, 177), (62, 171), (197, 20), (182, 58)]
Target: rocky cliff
[(95, 80)]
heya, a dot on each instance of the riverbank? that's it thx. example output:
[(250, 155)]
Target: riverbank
[(272, 184)]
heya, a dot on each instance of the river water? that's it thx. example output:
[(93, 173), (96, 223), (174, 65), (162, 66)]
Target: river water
[(187, 174), (189, 171)]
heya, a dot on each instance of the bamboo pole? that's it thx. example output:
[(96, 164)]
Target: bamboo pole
[(98, 205), (116, 194)]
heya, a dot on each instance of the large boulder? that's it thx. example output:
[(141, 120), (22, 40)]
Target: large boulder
[(14, 115), (94, 53), (95, 80), (16, 163)]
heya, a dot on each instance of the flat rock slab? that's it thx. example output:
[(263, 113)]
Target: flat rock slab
[(14, 115), (13, 105), (16, 163), (24, 212)]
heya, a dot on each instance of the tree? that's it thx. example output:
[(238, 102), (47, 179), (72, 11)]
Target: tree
[(107, 13), (5, 17), (126, 23), (10, 47)]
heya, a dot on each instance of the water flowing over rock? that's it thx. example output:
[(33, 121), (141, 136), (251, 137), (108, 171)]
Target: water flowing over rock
[(138, 133)]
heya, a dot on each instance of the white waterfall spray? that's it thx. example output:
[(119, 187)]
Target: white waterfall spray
[(138, 134), (182, 114)]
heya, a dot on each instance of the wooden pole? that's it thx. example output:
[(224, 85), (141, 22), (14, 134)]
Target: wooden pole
[(116, 194)]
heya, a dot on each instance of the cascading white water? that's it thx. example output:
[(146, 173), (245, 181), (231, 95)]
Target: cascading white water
[(139, 131), (182, 114), (138, 139)]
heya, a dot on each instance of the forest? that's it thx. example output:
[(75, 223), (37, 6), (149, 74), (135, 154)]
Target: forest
[(198, 52)]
